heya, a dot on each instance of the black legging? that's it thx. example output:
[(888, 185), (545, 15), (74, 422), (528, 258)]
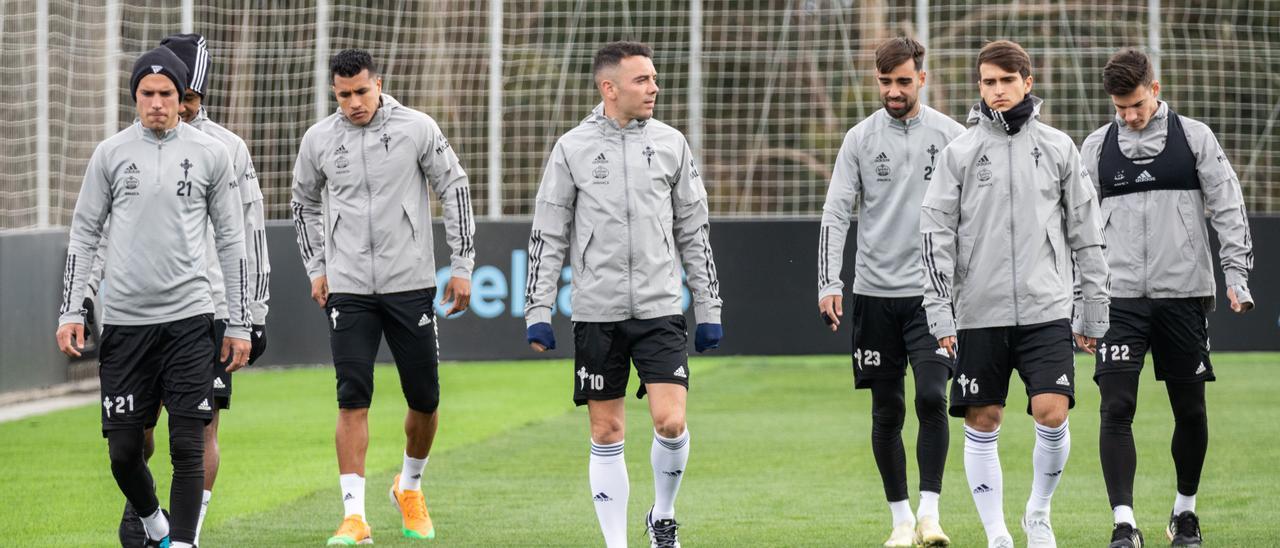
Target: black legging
[(888, 411), (1116, 449), (186, 449)]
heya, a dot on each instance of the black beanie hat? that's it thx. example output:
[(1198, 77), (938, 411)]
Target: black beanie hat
[(158, 61), (193, 51)]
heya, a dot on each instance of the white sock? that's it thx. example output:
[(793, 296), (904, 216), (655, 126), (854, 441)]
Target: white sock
[(411, 473), (156, 525), (928, 505), (352, 494), (610, 490), (1047, 461), (1184, 503), (1124, 514), (204, 507), (181, 545), (902, 512), (668, 457), (986, 481)]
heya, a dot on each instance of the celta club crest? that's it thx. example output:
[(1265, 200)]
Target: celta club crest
[(386, 142), (648, 154), (186, 168), (1035, 153), (933, 152)]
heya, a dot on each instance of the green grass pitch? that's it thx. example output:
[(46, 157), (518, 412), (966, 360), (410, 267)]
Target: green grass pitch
[(780, 457)]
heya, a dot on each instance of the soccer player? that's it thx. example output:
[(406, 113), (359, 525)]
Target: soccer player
[(193, 51), (622, 197), (1008, 207), (884, 167), (363, 217), (162, 183), (1157, 173)]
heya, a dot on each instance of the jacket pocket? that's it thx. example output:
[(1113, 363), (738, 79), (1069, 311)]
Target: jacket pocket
[(410, 214), (669, 241), (1192, 224), (583, 238)]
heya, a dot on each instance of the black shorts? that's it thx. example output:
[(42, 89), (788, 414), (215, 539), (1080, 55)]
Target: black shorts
[(604, 350), (1175, 330), (357, 324), (1042, 353), (221, 378), (887, 332), (141, 366)]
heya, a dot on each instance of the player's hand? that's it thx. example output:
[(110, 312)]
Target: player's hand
[(320, 290), (832, 309), (71, 339), (541, 338), (1088, 344), (258, 340), (1241, 299), (459, 291), (948, 344), (237, 351), (707, 337)]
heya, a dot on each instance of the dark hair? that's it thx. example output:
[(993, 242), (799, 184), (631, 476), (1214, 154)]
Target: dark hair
[(614, 52), (1126, 71), (349, 62), (897, 51), (1007, 55)]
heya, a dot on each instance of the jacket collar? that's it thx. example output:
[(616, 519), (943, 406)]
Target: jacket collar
[(1159, 121), (976, 117), (610, 127), (386, 104), (906, 123), (151, 137)]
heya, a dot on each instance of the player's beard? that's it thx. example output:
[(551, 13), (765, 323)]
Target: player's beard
[(899, 113)]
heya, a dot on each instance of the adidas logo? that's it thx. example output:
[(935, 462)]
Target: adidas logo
[(600, 159), (132, 169), (217, 383), (258, 333), (942, 352), (983, 161), (424, 320), (680, 373), (342, 149), (348, 497), (1201, 369), (204, 406), (882, 157), (672, 473), (155, 69), (981, 489), (1062, 381), (601, 497), (416, 476), (1053, 474), (1144, 177)]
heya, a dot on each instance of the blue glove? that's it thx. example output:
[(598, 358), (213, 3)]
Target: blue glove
[(541, 333), (707, 337)]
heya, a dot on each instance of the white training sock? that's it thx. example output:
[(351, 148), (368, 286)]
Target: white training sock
[(156, 525), (1124, 514), (411, 473), (352, 495), (1184, 503), (1047, 461), (986, 480), (204, 507), (181, 545), (902, 512), (610, 490), (928, 505), (668, 457)]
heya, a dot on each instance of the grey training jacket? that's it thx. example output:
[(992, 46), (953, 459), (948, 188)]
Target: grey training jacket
[(1157, 242), (999, 224), (361, 206), (258, 275), (884, 167), (163, 195), (629, 208)]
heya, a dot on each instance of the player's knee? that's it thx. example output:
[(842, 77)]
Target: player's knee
[(607, 430), (1051, 417), (985, 418), (186, 444), (669, 427), (425, 403), (125, 448), (1118, 408), (930, 402)]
